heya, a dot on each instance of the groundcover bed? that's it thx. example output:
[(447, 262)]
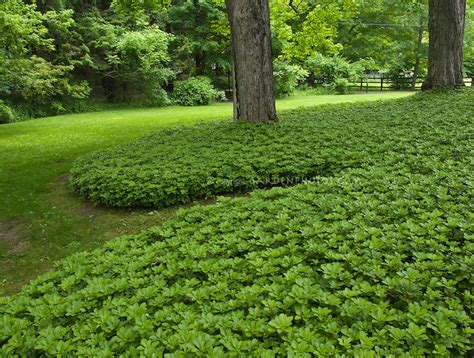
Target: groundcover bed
[(375, 262), (368, 260), (177, 166)]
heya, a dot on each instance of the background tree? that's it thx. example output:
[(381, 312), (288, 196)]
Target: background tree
[(130, 60), (201, 40), (446, 51), (469, 40), (38, 55), (392, 33), (302, 28), (254, 98)]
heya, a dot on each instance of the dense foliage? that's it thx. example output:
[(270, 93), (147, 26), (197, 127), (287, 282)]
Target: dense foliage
[(333, 68), (389, 33), (39, 52), (287, 77), (132, 62), (196, 91), (6, 113), (372, 261), (64, 56), (469, 41), (180, 165)]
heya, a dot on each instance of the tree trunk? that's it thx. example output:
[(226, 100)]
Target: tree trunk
[(254, 98), (445, 58)]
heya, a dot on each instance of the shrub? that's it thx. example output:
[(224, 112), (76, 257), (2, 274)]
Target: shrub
[(196, 91), (180, 165), (6, 113), (374, 262), (342, 86), (287, 77), (142, 65), (332, 68), (397, 71)]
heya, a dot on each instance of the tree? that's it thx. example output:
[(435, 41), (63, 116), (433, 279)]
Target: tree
[(469, 40), (129, 61), (303, 28), (446, 49), (38, 55), (392, 33), (254, 98), (200, 46)]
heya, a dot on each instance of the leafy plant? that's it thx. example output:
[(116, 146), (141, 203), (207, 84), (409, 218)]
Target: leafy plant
[(329, 69), (376, 261), (6, 113), (181, 165), (286, 77), (372, 257), (196, 91), (342, 86)]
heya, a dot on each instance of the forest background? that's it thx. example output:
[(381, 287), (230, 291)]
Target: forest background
[(66, 56)]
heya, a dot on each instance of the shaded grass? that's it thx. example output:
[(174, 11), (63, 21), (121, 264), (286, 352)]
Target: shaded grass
[(51, 222)]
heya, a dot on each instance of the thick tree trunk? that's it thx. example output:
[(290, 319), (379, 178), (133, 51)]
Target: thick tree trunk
[(445, 59), (254, 98)]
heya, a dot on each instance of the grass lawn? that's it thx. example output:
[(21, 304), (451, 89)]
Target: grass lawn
[(41, 221)]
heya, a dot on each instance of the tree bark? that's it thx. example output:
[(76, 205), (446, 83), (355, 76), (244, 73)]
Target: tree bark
[(254, 98), (445, 58)]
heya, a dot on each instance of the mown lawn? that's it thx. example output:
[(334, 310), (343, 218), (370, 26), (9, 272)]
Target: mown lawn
[(41, 221)]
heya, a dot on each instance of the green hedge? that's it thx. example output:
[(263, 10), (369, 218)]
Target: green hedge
[(180, 165), (375, 262)]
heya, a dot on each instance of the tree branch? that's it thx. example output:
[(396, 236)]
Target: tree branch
[(293, 7)]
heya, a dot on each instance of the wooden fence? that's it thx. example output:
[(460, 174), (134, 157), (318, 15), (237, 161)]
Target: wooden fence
[(383, 83)]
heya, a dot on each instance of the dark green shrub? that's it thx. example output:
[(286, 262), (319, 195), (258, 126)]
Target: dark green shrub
[(287, 77), (180, 165), (6, 113), (397, 72), (375, 262), (196, 91)]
